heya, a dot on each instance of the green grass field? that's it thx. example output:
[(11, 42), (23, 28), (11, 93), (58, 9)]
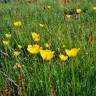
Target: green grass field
[(30, 75)]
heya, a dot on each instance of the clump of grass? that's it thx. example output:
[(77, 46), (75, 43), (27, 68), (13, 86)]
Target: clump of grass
[(6, 89)]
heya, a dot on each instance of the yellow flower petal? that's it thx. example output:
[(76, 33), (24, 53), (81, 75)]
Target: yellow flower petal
[(29, 46)]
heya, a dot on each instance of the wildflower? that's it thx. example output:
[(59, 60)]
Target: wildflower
[(5, 42), (63, 57), (35, 36), (33, 49), (19, 46), (48, 7), (41, 25), (46, 45), (7, 35), (17, 23), (94, 8), (78, 11), (46, 54), (73, 52), (17, 53), (68, 16)]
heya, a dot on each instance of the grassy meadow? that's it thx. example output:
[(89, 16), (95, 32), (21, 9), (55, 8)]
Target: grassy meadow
[(59, 27)]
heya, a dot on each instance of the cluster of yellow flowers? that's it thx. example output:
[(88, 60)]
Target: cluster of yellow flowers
[(78, 11), (8, 35), (46, 54)]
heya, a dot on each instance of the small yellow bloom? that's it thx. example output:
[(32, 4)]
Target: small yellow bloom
[(46, 45), (17, 23), (33, 49), (63, 57), (73, 52), (68, 16), (78, 11), (17, 53), (41, 25), (19, 46), (94, 8), (48, 7), (7, 35), (5, 42), (35, 36), (46, 54)]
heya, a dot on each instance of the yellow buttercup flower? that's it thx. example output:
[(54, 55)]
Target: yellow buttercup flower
[(73, 52), (35, 36), (68, 16), (5, 42), (17, 53), (41, 25), (46, 45), (19, 46), (17, 23), (78, 11), (63, 57), (46, 54), (33, 49), (94, 8), (7, 35)]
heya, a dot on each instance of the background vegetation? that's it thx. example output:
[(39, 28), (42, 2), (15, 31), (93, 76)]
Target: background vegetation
[(77, 76)]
